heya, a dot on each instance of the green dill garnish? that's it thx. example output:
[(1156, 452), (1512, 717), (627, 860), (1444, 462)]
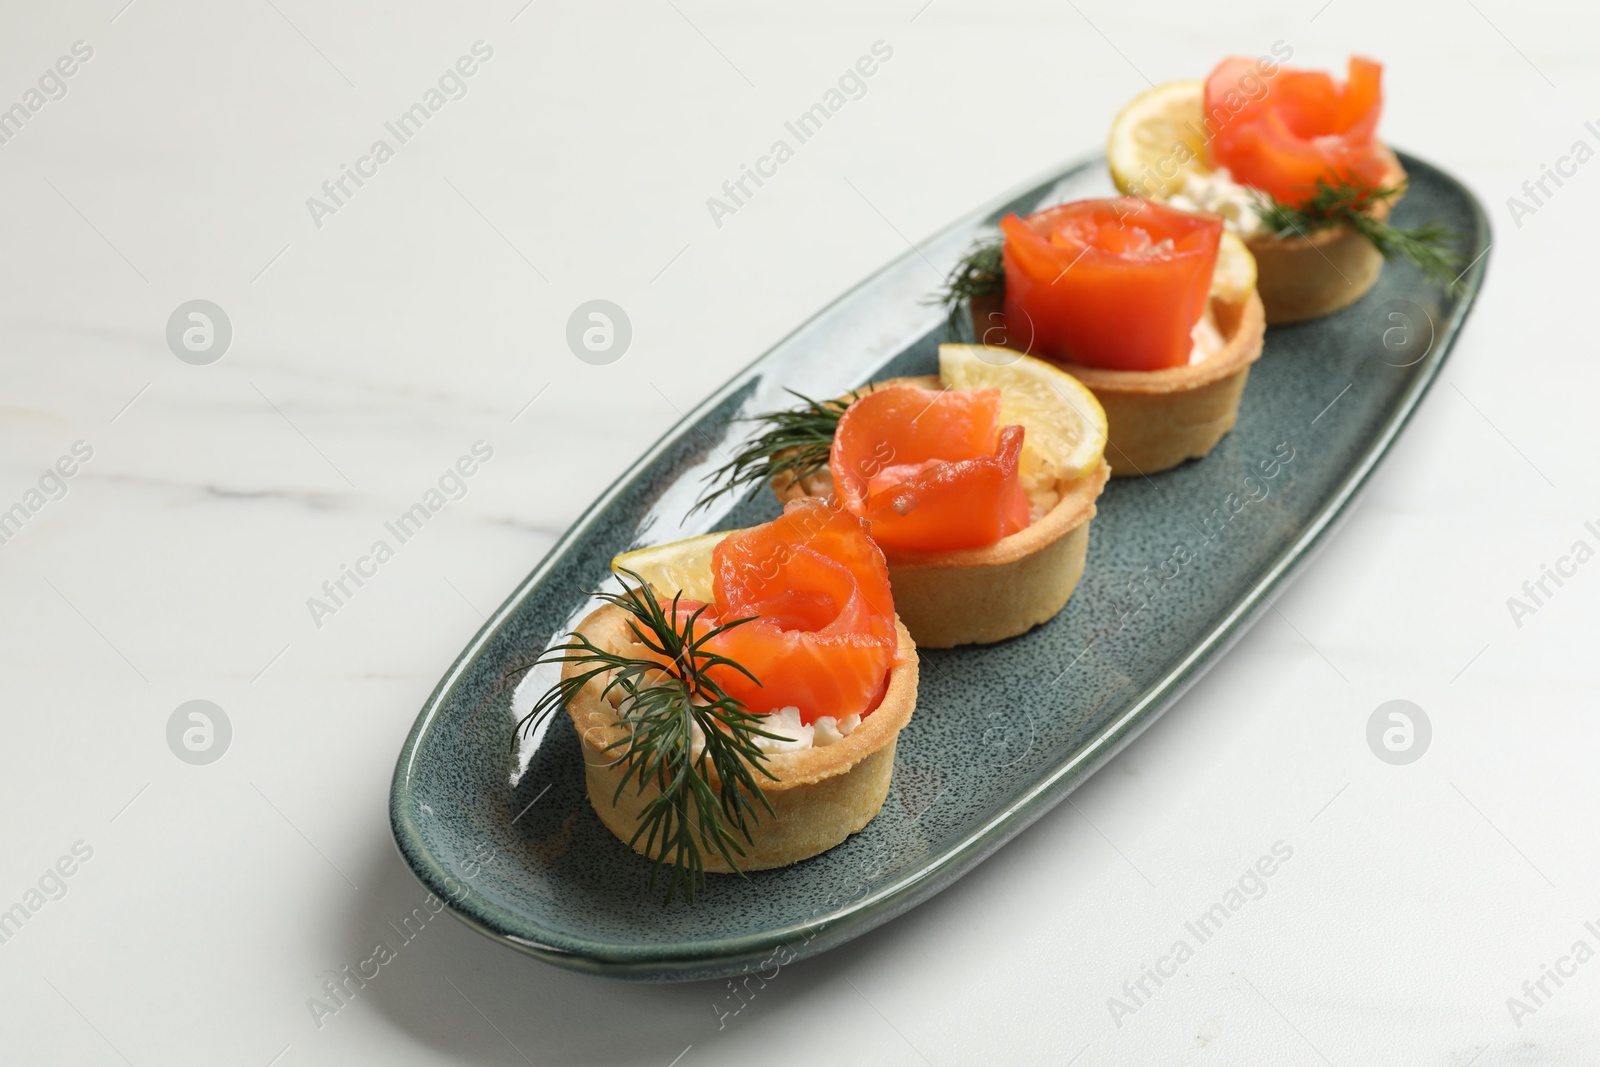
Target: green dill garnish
[(977, 274), (1427, 247), (664, 696), (795, 445)]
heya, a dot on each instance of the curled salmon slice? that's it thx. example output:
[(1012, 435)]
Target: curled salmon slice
[(930, 469), (1112, 283), (823, 638), (1282, 134)]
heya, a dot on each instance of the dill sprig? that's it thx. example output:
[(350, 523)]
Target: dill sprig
[(665, 698), (1427, 247), (794, 445), (979, 273)]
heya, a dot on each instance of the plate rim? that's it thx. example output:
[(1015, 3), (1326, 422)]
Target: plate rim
[(713, 957)]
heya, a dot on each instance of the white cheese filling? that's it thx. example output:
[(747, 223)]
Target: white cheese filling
[(1208, 340), (827, 730), (1217, 193), (785, 722)]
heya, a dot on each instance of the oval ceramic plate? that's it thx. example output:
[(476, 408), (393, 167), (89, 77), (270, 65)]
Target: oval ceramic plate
[(1180, 564)]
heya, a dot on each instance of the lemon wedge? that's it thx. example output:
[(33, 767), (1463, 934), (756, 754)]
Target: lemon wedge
[(675, 567), (1065, 424), (1156, 137), (1234, 276)]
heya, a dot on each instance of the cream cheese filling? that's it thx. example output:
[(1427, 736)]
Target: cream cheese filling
[(1208, 340), (793, 736), (827, 730), (1216, 192)]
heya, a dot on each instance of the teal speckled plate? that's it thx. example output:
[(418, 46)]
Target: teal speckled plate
[(1180, 565)]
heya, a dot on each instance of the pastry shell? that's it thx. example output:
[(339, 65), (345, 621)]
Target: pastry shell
[(822, 795), (1156, 419), (1302, 278), (977, 596)]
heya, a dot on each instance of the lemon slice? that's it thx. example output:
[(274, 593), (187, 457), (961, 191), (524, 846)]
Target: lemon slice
[(1065, 424), (1235, 274), (1156, 137), (675, 567)]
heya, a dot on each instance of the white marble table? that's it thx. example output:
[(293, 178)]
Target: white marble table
[(377, 338)]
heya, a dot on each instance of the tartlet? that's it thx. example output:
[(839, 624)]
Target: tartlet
[(1307, 277), (737, 704), (1287, 158), (1158, 419), (984, 594), (1157, 416), (822, 794)]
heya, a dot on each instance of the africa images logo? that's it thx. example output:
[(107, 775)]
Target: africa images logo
[(1539, 590), (452, 85), (52, 486), (451, 486), (52, 85), (852, 85), (1251, 885), (51, 886)]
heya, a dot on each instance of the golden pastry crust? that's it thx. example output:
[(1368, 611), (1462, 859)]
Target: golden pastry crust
[(977, 596), (1157, 419), (1302, 278), (822, 795)]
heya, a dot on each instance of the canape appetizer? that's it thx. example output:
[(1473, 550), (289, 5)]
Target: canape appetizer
[(1154, 309), (1291, 160), (738, 703), (978, 485)]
